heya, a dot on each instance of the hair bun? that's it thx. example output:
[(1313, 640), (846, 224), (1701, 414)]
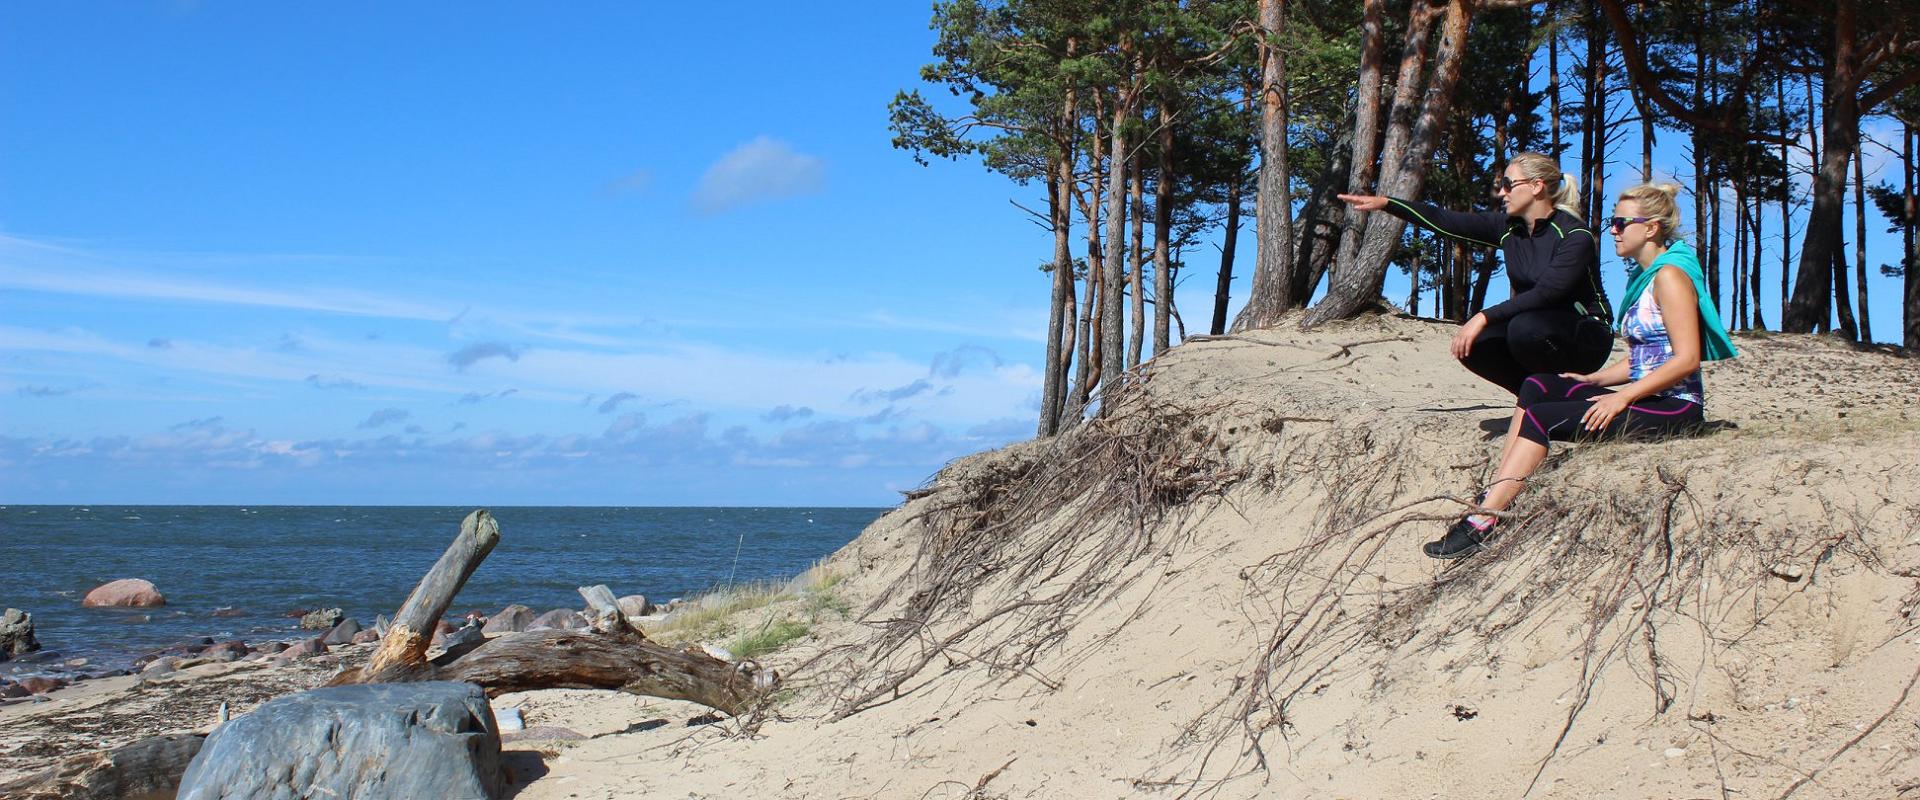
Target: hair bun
[(1669, 189)]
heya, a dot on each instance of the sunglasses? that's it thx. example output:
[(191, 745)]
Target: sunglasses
[(1618, 224), (1504, 184)]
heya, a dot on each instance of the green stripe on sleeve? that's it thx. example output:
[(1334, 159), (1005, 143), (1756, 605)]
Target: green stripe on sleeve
[(1437, 229)]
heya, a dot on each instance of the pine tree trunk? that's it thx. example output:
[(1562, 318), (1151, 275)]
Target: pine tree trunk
[(1364, 168), (1786, 188), (1272, 292), (1813, 286), (1592, 110), (1742, 296), (1112, 300), (1404, 160), (1753, 272), (1553, 75), (1162, 235), (1911, 264), (1842, 296), (1060, 316), (1136, 259), (1702, 169), (1860, 239), (1222, 291)]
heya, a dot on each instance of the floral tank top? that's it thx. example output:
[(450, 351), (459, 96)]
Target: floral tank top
[(1648, 347)]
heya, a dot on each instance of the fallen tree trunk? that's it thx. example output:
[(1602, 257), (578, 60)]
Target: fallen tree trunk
[(612, 654), (148, 769)]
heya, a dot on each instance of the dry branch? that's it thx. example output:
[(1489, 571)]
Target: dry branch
[(612, 654)]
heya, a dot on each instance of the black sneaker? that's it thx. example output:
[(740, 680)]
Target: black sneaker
[(1462, 540)]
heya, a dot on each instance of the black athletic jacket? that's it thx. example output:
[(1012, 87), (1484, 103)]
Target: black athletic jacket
[(1554, 265)]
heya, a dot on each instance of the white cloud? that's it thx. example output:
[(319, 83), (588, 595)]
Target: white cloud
[(760, 170)]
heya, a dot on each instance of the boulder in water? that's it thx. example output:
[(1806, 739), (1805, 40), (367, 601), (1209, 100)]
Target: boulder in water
[(364, 637), (322, 619), (126, 592), (416, 740), (16, 634)]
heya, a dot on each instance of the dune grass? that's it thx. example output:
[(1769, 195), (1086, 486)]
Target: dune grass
[(754, 619)]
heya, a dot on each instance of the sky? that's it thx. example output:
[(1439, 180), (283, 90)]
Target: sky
[(500, 254)]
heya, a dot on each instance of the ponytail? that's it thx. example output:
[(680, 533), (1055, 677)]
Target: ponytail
[(1565, 188), (1568, 197)]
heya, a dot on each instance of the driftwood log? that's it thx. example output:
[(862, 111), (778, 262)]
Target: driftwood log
[(611, 654), (148, 769)]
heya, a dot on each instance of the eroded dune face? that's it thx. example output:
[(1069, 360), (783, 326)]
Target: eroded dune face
[(1218, 589)]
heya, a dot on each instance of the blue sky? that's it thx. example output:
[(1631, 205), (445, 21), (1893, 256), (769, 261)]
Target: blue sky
[(595, 253)]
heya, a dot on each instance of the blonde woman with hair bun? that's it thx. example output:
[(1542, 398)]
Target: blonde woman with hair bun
[(1555, 317), (1670, 325)]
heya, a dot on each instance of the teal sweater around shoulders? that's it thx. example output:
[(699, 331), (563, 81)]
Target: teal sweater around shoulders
[(1715, 344)]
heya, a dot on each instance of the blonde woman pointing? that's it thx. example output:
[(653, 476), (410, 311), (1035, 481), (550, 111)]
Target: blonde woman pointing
[(1556, 317)]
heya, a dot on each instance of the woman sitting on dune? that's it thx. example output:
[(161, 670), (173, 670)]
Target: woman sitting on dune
[(1670, 324)]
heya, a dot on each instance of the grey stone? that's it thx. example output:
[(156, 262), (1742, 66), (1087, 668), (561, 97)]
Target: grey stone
[(512, 619), (226, 651), (565, 618), (412, 740), (342, 633), (462, 641), (16, 634), (635, 605), (322, 620), (303, 649)]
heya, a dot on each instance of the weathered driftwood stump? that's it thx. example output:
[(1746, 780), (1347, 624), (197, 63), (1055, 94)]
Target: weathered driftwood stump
[(148, 769), (612, 654)]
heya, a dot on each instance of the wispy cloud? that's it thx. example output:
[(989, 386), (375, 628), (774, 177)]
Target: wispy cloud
[(950, 363), (615, 401), (27, 265), (784, 413), (472, 398), (480, 351), (633, 182), (895, 394), (384, 416), (319, 381), (44, 391), (761, 170)]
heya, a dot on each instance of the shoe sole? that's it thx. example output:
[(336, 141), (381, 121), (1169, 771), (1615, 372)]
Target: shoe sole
[(1455, 555)]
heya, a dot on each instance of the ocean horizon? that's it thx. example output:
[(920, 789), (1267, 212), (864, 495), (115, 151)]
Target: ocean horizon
[(243, 571)]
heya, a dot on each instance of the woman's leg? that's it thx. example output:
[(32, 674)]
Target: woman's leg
[(1492, 359), (1558, 340)]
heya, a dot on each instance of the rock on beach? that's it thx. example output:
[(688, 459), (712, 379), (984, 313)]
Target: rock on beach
[(512, 619), (562, 618), (416, 740), (126, 592)]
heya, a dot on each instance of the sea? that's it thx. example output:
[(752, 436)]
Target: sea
[(242, 572)]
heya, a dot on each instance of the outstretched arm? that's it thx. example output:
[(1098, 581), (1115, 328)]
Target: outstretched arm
[(1480, 228)]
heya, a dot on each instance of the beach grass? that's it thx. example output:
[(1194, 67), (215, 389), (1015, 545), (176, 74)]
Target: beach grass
[(754, 619)]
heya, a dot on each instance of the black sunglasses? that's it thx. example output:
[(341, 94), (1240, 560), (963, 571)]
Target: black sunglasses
[(1506, 184), (1618, 224)]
